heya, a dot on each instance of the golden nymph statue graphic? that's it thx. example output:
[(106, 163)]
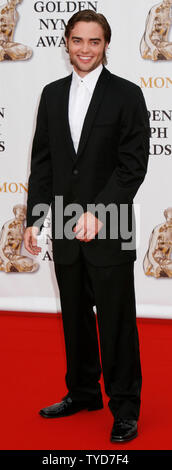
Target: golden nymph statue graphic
[(11, 238), (155, 44), (157, 261), (10, 50)]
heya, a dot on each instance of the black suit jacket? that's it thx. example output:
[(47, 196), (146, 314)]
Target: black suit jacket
[(109, 166)]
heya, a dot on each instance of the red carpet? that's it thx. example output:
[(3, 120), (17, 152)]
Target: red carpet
[(32, 376)]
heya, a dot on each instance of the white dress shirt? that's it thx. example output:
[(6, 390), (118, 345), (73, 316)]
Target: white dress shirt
[(80, 95)]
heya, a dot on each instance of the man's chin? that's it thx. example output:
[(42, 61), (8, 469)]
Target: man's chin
[(84, 67)]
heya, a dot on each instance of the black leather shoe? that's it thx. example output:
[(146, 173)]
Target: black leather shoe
[(67, 407), (123, 430)]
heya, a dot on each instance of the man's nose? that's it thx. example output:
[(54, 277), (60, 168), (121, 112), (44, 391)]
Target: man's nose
[(85, 48)]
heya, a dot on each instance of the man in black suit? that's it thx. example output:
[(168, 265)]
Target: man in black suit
[(91, 146)]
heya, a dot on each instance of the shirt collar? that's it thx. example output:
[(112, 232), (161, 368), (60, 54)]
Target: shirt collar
[(90, 79)]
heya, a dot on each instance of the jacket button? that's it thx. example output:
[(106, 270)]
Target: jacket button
[(75, 171)]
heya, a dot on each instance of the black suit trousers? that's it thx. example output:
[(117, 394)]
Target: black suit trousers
[(81, 286)]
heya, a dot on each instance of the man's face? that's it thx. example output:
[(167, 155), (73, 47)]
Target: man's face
[(86, 46)]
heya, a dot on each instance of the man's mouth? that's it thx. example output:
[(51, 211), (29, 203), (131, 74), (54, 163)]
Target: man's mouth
[(84, 58)]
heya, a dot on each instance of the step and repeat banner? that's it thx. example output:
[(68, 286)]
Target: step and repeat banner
[(32, 54)]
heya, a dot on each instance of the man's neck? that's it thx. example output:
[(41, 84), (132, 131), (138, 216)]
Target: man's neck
[(84, 74)]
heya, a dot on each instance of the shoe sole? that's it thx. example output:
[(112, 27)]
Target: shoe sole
[(90, 408), (124, 440)]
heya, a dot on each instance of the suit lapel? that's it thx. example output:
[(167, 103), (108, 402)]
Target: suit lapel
[(93, 109), (90, 115), (65, 122)]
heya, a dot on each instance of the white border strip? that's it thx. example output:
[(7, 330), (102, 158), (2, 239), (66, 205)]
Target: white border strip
[(31, 304), (52, 305), (154, 311)]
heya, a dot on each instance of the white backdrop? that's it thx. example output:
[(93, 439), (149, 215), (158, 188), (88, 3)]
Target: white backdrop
[(21, 83)]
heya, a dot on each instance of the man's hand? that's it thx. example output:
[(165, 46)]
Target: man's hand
[(30, 240), (87, 227)]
